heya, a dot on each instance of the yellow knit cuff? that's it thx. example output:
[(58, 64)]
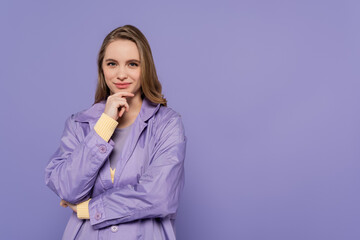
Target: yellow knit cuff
[(83, 210), (105, 126)]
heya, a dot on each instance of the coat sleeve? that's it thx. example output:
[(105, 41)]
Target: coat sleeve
[(157, 191), (72, 170)]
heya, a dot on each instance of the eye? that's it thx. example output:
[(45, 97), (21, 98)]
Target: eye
[(110, 64), (133, 64)]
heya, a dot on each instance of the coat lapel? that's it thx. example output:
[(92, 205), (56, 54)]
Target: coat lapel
[(148, 109)]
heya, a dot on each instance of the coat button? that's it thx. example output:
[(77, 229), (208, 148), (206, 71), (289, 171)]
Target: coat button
[(114, 228), (102, 148), (97, 216)]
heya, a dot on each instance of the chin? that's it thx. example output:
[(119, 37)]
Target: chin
[(123, 90)]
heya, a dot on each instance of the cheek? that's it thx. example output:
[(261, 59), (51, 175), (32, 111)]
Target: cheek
[(108, 74), (136, 75)]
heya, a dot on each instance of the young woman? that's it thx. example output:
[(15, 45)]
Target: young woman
[(120, 163)]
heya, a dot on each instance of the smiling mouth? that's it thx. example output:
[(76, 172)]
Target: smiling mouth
[(122, 85)]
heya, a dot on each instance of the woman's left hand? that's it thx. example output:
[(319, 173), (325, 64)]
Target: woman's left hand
[(65, 204)]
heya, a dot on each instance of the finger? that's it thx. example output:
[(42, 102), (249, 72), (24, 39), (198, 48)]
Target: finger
[(126, 105), (122, 110), (123, 94), (123, 103)]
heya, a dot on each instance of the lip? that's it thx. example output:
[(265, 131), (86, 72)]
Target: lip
[(122, 85)]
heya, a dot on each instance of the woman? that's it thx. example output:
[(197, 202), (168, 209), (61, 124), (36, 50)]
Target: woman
[(120, 163)]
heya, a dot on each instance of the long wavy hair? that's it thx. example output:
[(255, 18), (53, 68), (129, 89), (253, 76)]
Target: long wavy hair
[(150, 84)]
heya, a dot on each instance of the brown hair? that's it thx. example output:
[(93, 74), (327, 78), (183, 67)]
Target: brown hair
[(150, 84)]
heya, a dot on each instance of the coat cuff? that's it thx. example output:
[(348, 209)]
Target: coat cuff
[(83, 210), (105, 126)]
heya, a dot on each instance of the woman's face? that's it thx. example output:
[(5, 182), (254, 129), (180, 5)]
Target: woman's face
[(121, 66)]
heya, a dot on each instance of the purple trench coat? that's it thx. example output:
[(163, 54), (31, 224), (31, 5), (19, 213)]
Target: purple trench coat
[(149, 176)]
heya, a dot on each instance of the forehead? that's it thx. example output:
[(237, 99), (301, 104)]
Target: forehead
[(122, 49)]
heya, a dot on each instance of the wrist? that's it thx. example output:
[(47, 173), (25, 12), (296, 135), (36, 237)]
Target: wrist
[(105, 126)]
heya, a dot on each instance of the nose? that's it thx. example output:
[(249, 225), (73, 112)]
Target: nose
[(121, 74)]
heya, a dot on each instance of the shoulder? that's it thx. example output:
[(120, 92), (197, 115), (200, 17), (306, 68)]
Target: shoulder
[(168, 121), (166, 114)]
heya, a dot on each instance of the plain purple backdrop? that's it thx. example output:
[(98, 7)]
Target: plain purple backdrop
[(268, 91)]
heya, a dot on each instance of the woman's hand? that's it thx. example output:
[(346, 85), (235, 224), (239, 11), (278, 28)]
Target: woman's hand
[(116, 101), (65, 204)]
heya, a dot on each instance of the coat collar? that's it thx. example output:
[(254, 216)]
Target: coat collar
[(92, 114)]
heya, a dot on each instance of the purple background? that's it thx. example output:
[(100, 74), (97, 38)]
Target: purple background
[(268, 91)]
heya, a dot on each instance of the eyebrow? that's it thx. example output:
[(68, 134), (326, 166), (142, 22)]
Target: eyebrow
[(113, 60)]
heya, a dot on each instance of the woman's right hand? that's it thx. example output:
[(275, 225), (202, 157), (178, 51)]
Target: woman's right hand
[(115, 102)]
